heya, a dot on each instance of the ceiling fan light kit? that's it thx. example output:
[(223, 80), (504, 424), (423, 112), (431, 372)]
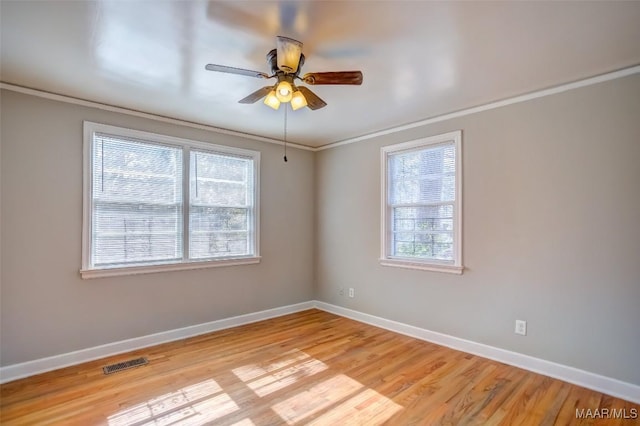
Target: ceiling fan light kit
[(284, 91), (298, 100), (272, 100), (285, 63)]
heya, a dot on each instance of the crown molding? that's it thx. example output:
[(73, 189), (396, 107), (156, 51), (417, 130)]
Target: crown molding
[(136, 113), (492, 105), (625, 72)]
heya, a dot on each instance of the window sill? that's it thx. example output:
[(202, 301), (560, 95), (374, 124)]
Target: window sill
[(434, 267), (148, 269)]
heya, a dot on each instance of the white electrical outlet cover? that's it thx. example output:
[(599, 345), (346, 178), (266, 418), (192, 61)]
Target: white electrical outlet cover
[(521, 327)]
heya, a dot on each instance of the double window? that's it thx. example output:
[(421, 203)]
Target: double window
[(153, 202), (421, 204)]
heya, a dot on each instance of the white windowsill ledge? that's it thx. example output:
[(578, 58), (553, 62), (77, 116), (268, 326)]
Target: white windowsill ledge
[(449, 269), (148, 269)]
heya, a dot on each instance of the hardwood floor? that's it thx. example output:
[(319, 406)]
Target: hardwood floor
[(310, 367)]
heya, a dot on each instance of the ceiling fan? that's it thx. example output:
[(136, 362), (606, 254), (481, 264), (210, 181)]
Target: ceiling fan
[(285, 63)]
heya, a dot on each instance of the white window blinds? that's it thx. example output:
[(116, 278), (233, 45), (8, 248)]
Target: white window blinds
[(155, 202), (220, 206), (137, 202), (422, 201), (422, 204)]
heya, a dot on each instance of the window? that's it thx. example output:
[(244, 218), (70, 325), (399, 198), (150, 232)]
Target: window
[(422, 205), (154, 202)]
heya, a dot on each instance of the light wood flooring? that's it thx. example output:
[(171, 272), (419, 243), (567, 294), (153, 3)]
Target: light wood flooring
[(310, 367)]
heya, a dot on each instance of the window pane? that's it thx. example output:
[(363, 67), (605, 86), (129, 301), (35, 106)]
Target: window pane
[(425, 176), (432, 218), (438, 246), (423, 232), (416, 178), (218, 244), (137, 202), (219, 180), (131, 171), (221, 206), (218, 231)]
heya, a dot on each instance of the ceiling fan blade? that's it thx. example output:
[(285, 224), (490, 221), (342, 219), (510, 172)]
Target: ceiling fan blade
[(233, 70), (313, 101), (257, 95), (339, 77)]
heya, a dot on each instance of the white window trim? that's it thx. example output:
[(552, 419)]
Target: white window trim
[(385, 229), (89, 129)]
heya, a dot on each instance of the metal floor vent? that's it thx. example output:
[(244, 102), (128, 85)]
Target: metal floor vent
[(114, 368)]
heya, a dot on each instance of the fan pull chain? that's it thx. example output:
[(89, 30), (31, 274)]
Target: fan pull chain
[(196, 172), (285, 133), (102, 166)]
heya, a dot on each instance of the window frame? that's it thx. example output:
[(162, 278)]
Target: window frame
[(386, 259), (186, 145)]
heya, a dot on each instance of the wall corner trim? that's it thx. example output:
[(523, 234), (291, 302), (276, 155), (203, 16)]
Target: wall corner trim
[(596, 382)]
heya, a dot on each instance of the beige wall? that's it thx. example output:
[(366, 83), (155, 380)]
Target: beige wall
[(551, 231), (47, 309), (551, 235)]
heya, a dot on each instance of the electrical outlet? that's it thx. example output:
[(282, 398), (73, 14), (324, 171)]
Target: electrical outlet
[(352, 292), (521, 327), (341, 292)]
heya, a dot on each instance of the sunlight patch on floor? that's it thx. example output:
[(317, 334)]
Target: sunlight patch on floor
[(191, 405), (253, 371), (317, 398), (336, 400), (244, 422), (269, 379), (366, 408)]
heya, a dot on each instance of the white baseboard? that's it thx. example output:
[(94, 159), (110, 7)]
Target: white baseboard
[(606, 385), (30, 368)]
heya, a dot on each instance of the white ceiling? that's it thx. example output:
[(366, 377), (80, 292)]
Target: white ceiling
[(419, 59)]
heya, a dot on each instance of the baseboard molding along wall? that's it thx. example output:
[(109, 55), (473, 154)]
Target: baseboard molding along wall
[(31, 368), (607, 385)]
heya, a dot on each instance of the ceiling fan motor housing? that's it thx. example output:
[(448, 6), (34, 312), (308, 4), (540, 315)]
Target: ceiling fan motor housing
[(272, 62)]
